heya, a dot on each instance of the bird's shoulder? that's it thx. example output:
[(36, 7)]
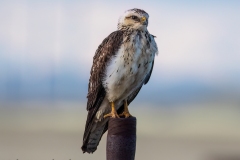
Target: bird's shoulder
[(110, 44)]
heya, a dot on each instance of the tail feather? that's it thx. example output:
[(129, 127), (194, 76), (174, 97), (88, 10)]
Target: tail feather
[(93, 137), (94, 132)]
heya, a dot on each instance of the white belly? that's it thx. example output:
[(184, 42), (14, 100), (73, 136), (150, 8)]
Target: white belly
[(126, 72)]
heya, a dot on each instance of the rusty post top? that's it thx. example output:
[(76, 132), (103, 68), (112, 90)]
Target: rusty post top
[(122, 126)]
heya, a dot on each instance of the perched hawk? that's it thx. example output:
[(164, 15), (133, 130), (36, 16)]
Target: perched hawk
[(122, 64)]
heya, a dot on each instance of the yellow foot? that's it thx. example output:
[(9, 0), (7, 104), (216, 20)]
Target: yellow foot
[(112, 114), (126, 114)]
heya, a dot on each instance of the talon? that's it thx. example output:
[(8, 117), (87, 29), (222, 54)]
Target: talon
[(113, 113), (125, 114)]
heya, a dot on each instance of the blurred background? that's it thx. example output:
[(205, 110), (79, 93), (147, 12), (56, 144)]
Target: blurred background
[(190, 109)]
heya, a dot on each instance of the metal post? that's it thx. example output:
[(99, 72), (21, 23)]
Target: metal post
[(121, 138)]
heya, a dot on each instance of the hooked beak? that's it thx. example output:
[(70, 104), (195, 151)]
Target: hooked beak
[(143, 21)]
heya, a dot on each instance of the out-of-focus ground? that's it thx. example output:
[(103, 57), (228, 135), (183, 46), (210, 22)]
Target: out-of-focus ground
[(54, 130)]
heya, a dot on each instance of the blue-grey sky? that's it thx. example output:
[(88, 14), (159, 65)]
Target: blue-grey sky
[(46, 47)]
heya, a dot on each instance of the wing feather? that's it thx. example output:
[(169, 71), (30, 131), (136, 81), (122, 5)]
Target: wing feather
[(96, 91), (105, 51), (149, 74)]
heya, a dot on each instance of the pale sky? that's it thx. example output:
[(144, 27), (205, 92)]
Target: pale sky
[(45, 41)]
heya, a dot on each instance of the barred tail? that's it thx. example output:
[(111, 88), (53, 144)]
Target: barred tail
[(93, 137)]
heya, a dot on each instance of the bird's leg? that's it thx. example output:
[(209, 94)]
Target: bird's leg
[(113, 112), (126, 113)]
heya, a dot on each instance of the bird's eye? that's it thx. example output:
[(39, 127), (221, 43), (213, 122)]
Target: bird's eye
[(134, 17)]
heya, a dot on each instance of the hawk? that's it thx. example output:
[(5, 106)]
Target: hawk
[(122, 64)]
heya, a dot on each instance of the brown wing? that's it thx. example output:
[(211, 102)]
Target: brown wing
[(149, 74), (105, 51), (96, 91)]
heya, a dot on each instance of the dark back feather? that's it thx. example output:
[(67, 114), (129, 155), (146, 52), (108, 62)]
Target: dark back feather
[(96, 91), (149, 75), (105, 51)]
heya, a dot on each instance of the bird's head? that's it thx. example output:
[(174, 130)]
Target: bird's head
[(133, 19)]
